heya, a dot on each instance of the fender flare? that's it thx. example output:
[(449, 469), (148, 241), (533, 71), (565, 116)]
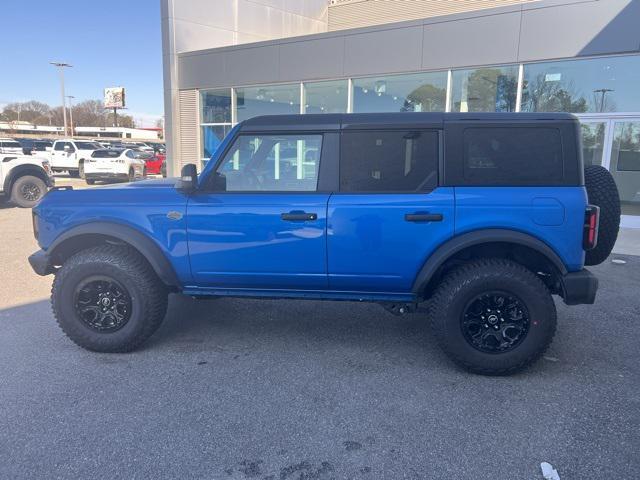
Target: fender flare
[(20, 170), (478, 237), (147, 247)]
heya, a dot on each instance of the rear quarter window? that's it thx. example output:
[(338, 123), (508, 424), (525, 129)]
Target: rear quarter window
[(512, 156)]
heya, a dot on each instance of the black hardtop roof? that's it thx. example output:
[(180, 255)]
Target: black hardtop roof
[(337, 121)]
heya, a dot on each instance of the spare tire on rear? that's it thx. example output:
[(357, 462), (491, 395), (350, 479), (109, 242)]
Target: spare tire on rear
[(602, 192)]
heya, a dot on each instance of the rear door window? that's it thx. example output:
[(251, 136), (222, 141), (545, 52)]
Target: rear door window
[(389, 161), (512, 156)]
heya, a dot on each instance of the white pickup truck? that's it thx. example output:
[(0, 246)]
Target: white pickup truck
[(70, 155), (24, 179)]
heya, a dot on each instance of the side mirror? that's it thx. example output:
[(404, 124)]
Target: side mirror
[(188, 179)]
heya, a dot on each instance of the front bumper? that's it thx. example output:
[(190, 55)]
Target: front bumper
[(40, 263), (579, 287)]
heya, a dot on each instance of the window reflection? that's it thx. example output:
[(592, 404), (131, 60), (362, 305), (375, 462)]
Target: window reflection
[(212, 136), (592, 142), (422, 92), (625, 164), (326, 97), (267, 100), (488, 89), (215, 106), (594, 85)]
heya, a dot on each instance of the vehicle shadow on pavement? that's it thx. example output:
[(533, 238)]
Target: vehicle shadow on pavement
[(212, 324), (244, 389)]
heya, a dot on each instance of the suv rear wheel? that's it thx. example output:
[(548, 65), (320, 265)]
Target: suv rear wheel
[(27, 191), (493, 316), (108, 299)]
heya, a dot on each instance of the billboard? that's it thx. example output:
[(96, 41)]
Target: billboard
[(114, 97)]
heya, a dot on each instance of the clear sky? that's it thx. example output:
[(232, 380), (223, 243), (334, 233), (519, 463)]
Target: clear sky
[(108, 42)]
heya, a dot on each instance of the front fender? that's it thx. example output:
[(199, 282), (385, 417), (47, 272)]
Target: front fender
[(147, 247)]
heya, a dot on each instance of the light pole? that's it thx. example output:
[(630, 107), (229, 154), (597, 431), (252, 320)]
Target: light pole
[(61, 66), (603, 92), (71, 97)]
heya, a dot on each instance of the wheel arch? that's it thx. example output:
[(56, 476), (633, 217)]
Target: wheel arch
[(97, 233), (532, 252), (20, 171)]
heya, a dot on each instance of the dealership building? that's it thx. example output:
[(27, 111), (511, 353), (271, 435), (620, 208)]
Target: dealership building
[(245, 58)]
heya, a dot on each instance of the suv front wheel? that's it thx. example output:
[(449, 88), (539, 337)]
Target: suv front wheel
[(493, 316), (108, 299)]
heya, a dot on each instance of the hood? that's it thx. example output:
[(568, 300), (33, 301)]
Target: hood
[(141, 194)]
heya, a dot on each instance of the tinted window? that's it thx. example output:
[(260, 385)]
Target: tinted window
[(87, 145), (512, 155), (388, 161), (59, 146), (106, 153), (272, 163), (6, 144)]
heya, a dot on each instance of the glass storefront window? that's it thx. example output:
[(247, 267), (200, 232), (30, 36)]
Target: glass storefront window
[(267, 100), (212, 136), (625, 164), (326, 97), (593, 142), (420, 92), (215, 106), (594, 85), (486, 89)]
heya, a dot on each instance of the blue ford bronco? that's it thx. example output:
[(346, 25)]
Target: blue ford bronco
[(477, 220)]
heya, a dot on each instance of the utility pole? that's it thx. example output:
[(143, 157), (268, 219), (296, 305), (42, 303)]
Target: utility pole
[(61, 66), (71, 97), (603, 92)]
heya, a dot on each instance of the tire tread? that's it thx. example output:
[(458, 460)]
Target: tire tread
[(131, 263), (463, 274)]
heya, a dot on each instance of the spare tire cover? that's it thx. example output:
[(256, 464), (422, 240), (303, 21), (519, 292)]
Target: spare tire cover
[(602, 192)]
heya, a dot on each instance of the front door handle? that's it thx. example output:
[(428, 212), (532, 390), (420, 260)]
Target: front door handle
[(423, 217), (298, 216)]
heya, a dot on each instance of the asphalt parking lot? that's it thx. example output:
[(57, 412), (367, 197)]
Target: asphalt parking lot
[(292, 390)]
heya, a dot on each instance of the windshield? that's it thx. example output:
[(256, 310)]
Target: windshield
[(141, 155), (4, 144), (87, 146)]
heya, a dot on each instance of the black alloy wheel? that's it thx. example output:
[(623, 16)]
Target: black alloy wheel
[(102, 303), (495, 322)]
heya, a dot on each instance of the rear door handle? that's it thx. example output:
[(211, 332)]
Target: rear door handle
[(298, 216), (423, 217)]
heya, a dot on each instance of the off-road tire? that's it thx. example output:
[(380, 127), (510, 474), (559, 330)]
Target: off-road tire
[(27, 199), (602, 191), (90, 181), (131, 270), (74, 173), (467, 281)]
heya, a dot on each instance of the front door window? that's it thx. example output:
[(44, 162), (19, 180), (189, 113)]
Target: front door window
[(272, 163)]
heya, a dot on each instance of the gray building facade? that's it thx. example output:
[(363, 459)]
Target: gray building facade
[(550, 55)]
